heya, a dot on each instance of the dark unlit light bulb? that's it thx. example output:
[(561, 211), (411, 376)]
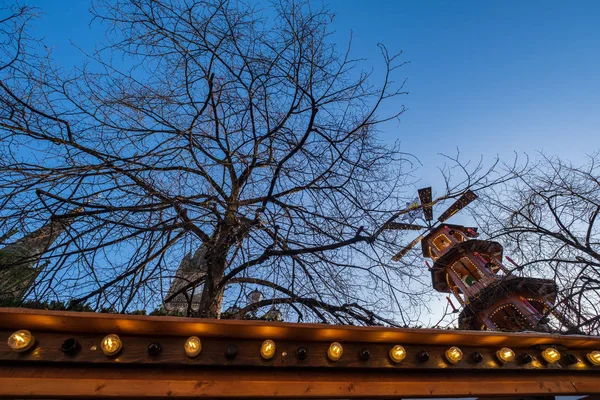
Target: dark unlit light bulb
[(154, 349), (364, 354), (231, 351), (70, 346), (301, 353)]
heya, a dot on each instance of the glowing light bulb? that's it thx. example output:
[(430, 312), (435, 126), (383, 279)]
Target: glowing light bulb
[(505, 355), (335, 351), (21, 341), (111, 344), (551, 355), (267, 350), (594, 357), (454, 355), (397, 353), (193, 346)]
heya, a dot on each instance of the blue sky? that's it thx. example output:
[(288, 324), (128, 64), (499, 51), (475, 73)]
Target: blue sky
[(486, 77)]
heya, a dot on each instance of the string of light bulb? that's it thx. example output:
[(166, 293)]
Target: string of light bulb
[(111, 345)]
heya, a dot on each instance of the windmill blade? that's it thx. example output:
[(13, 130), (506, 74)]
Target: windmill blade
[(405, 250), (425, 197), (402, 226), (458, 205)]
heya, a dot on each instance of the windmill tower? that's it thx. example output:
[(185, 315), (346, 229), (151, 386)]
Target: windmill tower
[(472, 271)]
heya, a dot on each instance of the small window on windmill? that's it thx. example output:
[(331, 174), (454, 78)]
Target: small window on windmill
[(441, 242), (458, 235)]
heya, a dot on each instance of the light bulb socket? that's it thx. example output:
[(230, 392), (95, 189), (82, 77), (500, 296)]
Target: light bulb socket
[(423, 356), (231, 351), (572, 359), (301, 353), (477, 357), (526, 358), (364, 354), (70, 346), (154, 349)]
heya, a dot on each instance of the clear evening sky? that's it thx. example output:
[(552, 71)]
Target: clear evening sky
[(486, 77), (489, 77)]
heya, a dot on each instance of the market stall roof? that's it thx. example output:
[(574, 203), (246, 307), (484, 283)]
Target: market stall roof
[(365, 370)]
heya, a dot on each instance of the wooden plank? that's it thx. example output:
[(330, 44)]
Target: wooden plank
[(152, 383), (47, 349), (74, 322)]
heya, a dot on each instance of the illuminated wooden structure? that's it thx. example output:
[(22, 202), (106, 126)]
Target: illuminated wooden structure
[(492, 297), (472, 270), (152, 361)]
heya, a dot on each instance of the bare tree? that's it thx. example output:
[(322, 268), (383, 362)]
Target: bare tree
[(223, 127), (548, 218), (234, 141)]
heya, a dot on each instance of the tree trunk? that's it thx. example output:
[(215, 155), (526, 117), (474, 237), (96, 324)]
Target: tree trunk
[(212, 297)]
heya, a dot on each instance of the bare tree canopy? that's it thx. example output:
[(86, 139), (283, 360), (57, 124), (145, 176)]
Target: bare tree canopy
[(209, 150), (236, 132), (548, 218)]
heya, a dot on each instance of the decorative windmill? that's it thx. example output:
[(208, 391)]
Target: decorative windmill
[(426, 206), (472, 271)]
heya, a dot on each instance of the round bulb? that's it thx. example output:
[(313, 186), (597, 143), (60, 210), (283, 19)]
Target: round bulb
[(21, 341), (397, 353), (505, 355), (335, 351), (594, 357), (267, 350), (192, 346), (111, 344), (551, 355), (454, 355)]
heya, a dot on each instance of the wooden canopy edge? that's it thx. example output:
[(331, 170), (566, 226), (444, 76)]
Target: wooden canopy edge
[(123, 383), (84, 322)]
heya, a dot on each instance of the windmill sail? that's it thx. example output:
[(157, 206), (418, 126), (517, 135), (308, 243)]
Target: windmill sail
[(458, 205), (405, 250), (425, 197)]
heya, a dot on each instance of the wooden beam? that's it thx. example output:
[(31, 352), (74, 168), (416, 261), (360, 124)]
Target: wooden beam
[(45, 372), (82, 322), (235, 383)]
